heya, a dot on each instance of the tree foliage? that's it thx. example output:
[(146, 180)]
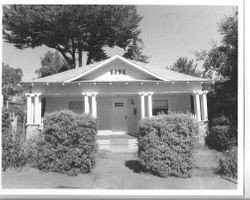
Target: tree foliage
[(134, 51), (223, 59), (11, 78), (183, 65), (52, 63), (72, 29)]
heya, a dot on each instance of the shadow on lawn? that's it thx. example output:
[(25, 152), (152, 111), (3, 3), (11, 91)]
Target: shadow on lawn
[(134, 165)]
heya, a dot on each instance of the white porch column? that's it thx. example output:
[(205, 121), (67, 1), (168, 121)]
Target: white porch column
[(150, 106), (197, 106), (40, 110), (28, 108), (94, 106), (37, 109), (142, 105), (36, 101), (32, 107), (86, 103), (204, 106)]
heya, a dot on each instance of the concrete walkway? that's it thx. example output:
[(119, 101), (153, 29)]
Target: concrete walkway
[(113, 171)]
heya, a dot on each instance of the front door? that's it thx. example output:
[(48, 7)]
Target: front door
[(119, 115)]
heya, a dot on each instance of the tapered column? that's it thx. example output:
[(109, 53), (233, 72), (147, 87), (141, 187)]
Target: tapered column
[(197, 105), (94, 106), (142, 105), (204, 106), (150, 106), (29, 116), (86, 104)]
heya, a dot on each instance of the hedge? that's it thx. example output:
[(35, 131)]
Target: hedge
[(228, 164), (166, 144), (68, 143), (222, 135)]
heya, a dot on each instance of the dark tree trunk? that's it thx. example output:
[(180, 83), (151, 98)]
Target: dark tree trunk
[(68, 60), (79, 53), (80, 57), (89, 60)]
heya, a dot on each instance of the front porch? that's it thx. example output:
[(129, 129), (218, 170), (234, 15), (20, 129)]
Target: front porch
[(117, 113)]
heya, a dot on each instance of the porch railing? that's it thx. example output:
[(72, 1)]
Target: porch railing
[(193, 116)]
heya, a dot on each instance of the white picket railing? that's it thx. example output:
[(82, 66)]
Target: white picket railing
[(192, 116)]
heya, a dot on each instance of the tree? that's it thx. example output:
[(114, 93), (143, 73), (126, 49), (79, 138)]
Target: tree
[(223, 59), (11, 78), (72, 29), (52, 63), (183, 65), (134, 51)]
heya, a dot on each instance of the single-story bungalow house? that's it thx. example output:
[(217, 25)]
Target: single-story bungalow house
[(118, 92)]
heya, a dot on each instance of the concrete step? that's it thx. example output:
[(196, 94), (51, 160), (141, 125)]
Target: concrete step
[(118, 145)]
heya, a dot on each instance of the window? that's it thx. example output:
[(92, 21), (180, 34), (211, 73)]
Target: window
[(118, 104), (76, 106), (118, 72), (160, 106)]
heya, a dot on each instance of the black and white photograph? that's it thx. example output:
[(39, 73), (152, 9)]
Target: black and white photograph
[(123, 99)]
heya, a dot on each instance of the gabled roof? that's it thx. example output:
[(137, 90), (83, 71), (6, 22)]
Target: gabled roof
[(160, 73), (112, 59)]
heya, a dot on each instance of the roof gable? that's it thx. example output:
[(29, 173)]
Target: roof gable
[(102, 72)]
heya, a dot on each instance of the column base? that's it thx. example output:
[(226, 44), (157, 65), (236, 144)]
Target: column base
[(203, 128), (32, 131)]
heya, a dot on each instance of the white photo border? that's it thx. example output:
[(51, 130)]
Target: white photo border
[(239, 192)]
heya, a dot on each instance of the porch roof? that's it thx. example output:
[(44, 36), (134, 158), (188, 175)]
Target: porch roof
[(161, 72)]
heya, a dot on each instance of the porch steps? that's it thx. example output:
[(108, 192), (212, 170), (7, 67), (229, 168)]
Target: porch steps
[(121, 144)]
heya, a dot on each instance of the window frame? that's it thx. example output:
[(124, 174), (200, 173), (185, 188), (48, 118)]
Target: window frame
[(160, 98)]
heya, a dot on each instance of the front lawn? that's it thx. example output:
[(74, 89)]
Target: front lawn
[(122, 171)]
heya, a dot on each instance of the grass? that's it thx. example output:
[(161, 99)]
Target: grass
[(122, 171), (205, 162)]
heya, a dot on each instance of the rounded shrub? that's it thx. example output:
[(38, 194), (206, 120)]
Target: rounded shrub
[(228, 164), (68, 143), (222, 135), (166, 144)]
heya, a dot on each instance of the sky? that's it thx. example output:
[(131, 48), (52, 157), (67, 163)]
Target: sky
[(168, 32)]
